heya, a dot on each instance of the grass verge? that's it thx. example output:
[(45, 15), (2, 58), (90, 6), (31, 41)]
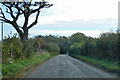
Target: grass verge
[(0, 71), (18, 67), (106, 65)]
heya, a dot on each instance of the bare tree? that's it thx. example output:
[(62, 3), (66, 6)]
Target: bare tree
[(16, 9)]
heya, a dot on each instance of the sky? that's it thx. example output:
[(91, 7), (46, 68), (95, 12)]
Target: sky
[(66, 17)]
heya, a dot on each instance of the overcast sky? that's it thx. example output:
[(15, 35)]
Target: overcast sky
[(66, 17)]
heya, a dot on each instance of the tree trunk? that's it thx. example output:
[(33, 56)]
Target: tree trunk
[(24, 35)]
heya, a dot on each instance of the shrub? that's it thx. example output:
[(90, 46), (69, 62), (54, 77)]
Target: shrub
[(53, 47), (76, 48), (28, 48), (11, 48)]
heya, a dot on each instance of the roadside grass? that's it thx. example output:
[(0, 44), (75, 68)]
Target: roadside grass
[(18, 67), (0, 71), (105, 64), (53, 54)]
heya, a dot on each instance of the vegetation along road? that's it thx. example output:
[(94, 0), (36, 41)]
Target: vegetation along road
[(64, 66)]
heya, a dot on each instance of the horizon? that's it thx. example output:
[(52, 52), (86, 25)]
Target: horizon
[(60, 35)]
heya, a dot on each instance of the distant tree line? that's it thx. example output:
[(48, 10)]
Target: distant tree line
[(103, 47)]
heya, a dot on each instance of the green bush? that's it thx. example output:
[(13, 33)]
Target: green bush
[(11, 48), (28, 48), (104, 47), (107, 46), (38, 42), (53, 48), (76, 47)]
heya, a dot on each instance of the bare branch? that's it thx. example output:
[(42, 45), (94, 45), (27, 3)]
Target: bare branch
[(25, 23), (4, 18), (15, 25), (41, 5), (10, 8), (19, 13), (7, 21), (35, 22), (2, 14), (19, 8)]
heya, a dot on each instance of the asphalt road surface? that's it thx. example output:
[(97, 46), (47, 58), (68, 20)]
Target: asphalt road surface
[(64, 66)]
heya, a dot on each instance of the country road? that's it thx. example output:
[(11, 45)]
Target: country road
[(64, 66)]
